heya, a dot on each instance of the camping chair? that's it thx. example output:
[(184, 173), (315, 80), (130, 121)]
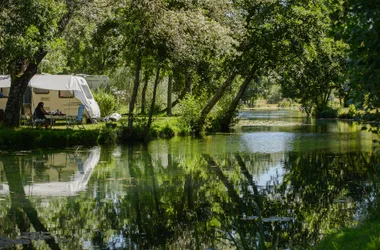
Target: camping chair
[(76, 120), (27, 118)]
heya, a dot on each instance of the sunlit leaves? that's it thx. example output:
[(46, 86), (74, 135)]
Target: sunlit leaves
[(27, 26)]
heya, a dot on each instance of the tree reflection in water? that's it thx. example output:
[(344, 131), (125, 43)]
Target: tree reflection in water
[(146, 201)]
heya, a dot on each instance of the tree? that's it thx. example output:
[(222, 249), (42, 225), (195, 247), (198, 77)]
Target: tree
[(361, 30), (312, 58), (320, 74), (28, 30)]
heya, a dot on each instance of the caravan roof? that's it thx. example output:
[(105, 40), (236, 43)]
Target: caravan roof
[(52, 82), (5, 81), (55, 82)]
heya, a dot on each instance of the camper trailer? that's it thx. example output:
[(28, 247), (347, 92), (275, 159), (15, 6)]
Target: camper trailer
[(58, 92), (96, 81)]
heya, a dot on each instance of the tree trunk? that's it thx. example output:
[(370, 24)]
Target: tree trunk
[(156, 82), (169, 100), (218, 94), (143, 94), (186, 89), (229, 114), (18, 87), (189, 82), (135, 92)]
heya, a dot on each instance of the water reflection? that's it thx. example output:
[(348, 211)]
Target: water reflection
[(238, 191), (55, 174)]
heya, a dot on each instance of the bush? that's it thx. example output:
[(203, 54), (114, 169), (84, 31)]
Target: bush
[(107, 135), (189, 109), (166, 132), (326, 112), (107, 102), (350, 114)]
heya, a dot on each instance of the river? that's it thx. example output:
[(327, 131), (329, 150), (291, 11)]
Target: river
[(282, 180)]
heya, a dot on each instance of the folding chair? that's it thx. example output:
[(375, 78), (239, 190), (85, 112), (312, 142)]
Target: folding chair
[(76, 120), (27, 118)]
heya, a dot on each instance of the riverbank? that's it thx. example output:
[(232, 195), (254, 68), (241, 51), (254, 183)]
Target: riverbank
[(27, 138), (366, 236)]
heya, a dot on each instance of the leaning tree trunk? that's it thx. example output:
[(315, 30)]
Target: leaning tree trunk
[(135, 92), (18, 87), (229, 113), (143, 93), (156, 82), (218, 94)]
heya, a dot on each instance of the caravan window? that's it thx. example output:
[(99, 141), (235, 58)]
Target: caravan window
[(86, 91), (65, 94), (40, 91)]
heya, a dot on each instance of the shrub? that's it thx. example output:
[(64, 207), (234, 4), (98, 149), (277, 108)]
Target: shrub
[(107, 135), (107, 102), (166, 132), (189, 109), (350, 114), (326, 112)]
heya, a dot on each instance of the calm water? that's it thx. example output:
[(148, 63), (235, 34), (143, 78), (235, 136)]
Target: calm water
[(283, 185)]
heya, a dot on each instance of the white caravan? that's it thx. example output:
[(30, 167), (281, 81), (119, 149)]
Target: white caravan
[(58, 92), (96, 81)]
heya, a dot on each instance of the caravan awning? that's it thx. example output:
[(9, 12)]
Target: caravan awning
[(51, 82), (55, 82), (5, 81)]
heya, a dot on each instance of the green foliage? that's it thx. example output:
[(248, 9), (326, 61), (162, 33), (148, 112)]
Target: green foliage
[(26, 27), (350, 114), (107, 136), (189, 110), (326, 112), (274, 95), (138, 132), (364, 237), (107, 102), (214, 119), (361, 30), (166, 132), (285, 104), (351, 110)]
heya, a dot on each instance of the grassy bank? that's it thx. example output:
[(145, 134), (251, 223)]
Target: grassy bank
[(59, 136), (28, 138), (366, 236)]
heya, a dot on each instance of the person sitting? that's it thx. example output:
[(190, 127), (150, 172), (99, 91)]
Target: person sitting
[(40, 113)]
